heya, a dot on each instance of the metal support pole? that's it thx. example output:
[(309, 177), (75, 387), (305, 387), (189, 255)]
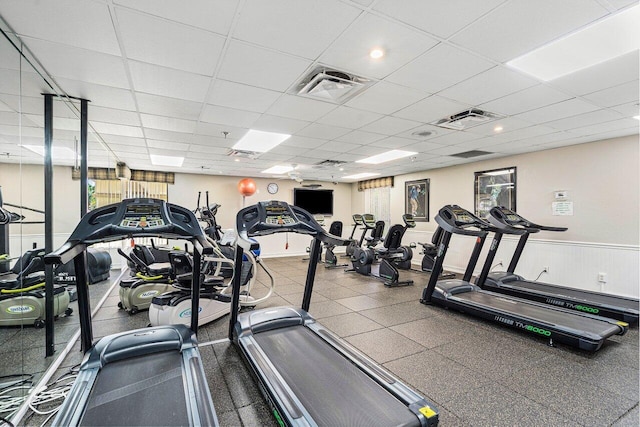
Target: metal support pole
[(48, 222), (84, 169)]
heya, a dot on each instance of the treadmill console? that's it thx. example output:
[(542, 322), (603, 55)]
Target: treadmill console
[(357, 219), (142, 216), (454, 219), (502, 218), (275, 216)]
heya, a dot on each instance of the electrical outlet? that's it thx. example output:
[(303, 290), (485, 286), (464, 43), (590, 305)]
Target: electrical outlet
[(602, 277)]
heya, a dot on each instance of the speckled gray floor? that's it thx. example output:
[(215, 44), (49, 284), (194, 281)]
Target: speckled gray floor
[(476, 373)]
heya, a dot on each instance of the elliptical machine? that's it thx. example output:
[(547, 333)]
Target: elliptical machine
[(364, 259)]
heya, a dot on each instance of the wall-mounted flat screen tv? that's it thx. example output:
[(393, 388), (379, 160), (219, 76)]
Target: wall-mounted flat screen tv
[(316, 202)]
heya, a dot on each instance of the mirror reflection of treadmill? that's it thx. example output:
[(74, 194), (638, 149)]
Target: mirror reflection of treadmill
[(585, 331), (507, 282), (150, 376), (308, 375)]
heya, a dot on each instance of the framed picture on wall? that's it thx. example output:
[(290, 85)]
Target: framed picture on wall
[(416, 199), (495, 187)]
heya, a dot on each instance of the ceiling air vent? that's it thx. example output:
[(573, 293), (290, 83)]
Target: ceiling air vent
[(331, 85), (328, 163), (467, 119), (472, 153), (243, 153)]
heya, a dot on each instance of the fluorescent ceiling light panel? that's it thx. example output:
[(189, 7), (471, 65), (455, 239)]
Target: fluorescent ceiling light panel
[(604, 40), (361, 175), (57, 153), (278, 170), (158, 160), (387, 157), (259, 141)]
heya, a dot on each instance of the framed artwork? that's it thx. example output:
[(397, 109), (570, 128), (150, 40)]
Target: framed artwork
[(416, 196), (495, 187)]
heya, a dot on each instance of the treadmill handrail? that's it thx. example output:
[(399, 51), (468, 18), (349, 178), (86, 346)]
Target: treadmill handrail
[(498, 217), (250, 222), (104, 225)]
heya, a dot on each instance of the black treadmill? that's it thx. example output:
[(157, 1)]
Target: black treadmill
[(308, 375), (506, 282), (582, 330), (151, 376)]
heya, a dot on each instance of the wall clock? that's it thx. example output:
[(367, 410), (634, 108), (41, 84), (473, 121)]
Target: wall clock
[(272, 188)]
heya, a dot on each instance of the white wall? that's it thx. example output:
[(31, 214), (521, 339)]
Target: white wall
[(602, 179)]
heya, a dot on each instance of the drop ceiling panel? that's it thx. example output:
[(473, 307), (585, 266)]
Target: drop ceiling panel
[(585, 119), (115, 129), (351, 50), (125, 140), (94, 67), (317, 130), (347, 117), (629, 109), (601, 76), (439, 68), (298, 107), (172, 107), (168, 82), (340, 147), (622, 94), (227, 116), (524, 25), (300, 27), (217, 130), (454, 138), (277, 124), (392, 142), (386, 98), (360, 137), (128, 148), (111, 115), (430, 16), (622, 125), (525, 100), (242, 97), (255, 66), (508, 124), (489, 85), (556, 111), (211, 15), (304, 142), (161, 42), (103, 96), (390, 125), (432, 108), (165, 135), (167, 145), (86, 24), (167, 123), (203, 143)]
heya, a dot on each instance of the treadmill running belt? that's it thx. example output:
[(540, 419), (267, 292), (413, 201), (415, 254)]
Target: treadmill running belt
[(544, 314), (560, 291), (334, 390), (145, 390)]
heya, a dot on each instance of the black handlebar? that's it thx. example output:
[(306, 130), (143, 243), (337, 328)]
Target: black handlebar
[(506, 219)]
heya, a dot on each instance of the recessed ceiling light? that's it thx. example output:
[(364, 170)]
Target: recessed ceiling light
[(57, 153), (636, 117), (361, 175), (606, 39), (158, 160), (341, 169), (236, 160), (376, 53), (387, 157), (260, 141), (278, 170), (498, 128)]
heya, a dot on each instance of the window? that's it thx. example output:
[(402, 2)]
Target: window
[(377, 201)]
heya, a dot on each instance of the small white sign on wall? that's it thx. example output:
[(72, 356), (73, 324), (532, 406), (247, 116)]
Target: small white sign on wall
[(562, 208)]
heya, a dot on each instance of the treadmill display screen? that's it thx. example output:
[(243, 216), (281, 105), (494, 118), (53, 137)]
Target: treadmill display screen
[(463, 216), (278, 215), (142, 216)]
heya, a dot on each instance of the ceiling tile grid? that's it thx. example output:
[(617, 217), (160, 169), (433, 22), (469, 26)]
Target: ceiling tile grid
[(191, 81)]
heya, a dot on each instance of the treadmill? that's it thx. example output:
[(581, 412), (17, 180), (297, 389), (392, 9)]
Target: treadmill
[(151, 376), (506, 282), (585, 331), (309, 376)]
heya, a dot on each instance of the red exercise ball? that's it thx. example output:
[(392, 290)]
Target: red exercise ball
[(247, 187)]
